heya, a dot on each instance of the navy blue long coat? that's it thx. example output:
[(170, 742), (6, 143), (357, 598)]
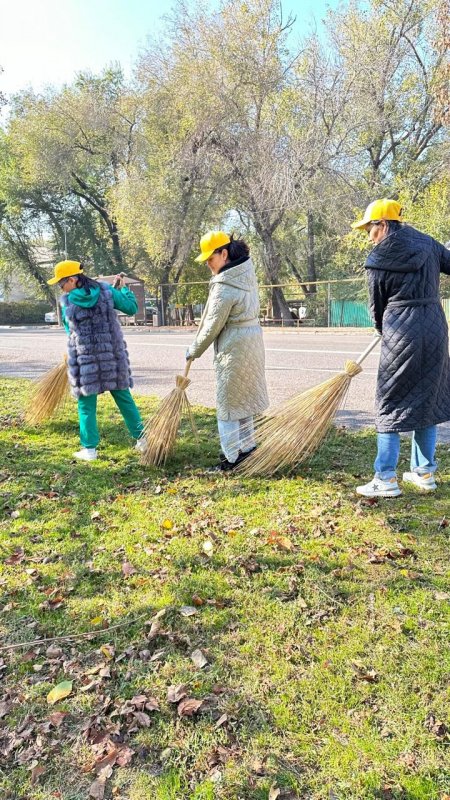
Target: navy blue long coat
[(413, 383)]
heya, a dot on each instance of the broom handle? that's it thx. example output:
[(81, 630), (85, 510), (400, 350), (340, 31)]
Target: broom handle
[(187, 367), (369, 349)]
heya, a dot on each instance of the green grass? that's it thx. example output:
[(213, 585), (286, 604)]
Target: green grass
[(328, 651)]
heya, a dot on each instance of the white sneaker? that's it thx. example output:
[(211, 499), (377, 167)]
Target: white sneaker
[(425, 482), (86, 454), (141, 445), (378, 488)]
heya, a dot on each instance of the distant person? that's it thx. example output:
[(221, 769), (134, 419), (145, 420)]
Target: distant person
[(97, 354), (231, 321), (413, 383)]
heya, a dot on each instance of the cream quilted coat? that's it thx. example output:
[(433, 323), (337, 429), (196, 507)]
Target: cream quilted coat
[(230, 320)]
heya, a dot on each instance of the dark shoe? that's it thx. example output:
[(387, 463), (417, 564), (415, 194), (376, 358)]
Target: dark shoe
[(227, 466), (242, 456)]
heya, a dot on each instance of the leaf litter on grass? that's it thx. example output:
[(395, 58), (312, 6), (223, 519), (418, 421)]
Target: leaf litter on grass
[(294, 612)]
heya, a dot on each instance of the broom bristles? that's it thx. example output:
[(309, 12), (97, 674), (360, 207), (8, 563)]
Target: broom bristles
[(48, 395), (290, 433), (160, 432)]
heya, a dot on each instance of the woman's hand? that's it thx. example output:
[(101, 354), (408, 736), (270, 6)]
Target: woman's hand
[(118, 282)]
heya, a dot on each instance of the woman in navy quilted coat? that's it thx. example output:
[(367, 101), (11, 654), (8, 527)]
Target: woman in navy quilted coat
[(413, 383)]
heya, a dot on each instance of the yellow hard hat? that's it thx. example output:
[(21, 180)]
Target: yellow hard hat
[(380, 209), (65, 269), (210, 242)]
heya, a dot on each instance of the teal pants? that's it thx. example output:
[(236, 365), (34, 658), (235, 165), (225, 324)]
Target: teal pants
[(87, 414)]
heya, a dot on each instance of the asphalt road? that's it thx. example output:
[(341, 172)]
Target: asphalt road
[(295, 360)]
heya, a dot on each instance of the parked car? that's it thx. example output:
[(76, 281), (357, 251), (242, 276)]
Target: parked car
[(51, 317)]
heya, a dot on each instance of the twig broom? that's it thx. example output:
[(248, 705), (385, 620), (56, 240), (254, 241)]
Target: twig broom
[(290, 433), (48, 395), (160, 432)]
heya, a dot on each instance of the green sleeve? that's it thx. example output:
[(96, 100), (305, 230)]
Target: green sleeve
[(63, 319), (125, 301)]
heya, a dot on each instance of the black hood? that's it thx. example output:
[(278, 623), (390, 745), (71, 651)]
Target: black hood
[(405, 250)]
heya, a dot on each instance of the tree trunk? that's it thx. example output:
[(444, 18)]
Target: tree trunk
[(272, 263), (311, 256)]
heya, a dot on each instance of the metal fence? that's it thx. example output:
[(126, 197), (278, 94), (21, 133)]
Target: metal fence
[(323, 304)]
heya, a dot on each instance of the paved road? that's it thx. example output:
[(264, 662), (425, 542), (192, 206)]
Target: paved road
[(295, 360)]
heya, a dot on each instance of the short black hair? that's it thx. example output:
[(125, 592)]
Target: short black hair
[(393, 225)]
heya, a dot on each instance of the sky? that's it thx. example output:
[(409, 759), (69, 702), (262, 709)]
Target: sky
[(45, 42)]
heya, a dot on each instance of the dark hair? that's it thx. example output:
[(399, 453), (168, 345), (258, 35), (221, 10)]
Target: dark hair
[(393, 225), (237, 248), (84, 282)]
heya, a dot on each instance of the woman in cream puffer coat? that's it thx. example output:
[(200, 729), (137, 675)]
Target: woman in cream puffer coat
[(231, 321)]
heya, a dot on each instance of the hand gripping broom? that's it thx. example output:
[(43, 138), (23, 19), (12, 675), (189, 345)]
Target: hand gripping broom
[(291, 432), (49, 393), (160, 432)]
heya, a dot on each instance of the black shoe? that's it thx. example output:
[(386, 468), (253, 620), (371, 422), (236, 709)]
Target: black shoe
[(225, 465), (242, 456)]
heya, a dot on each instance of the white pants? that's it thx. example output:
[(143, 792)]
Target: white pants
[(236, 435)]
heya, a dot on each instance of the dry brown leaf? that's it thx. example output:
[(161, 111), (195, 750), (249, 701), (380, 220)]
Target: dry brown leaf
[(5, 708), (197, 600), (199, 659), (274, 792), (282, 542), (176, 693), (36, 773), (97, 789), (441, 596), (142, 718), (221, 721), (16, 557), (187, 611), (128, 569), (125, 756), (56, 718), (189, 707)]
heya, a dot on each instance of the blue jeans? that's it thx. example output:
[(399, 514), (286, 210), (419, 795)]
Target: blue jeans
[(236, 435), (423, 453)]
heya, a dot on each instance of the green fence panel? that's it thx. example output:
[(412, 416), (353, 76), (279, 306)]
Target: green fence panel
[(350, 314)]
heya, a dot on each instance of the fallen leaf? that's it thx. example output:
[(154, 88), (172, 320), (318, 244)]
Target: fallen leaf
[(128, 569), (175, 693), (125, 756), (142, 718), (97, 789), (274, 792), (16, 557), (53, 651), (282, 542), (221, 721), (108, 651), (5, 708), (36, 773), (189, 706), (197, 600), (56, 718), (187, 611), (96, 620), (167, 524), (208, 547), (60, 691), (198, 658), (441, 596)]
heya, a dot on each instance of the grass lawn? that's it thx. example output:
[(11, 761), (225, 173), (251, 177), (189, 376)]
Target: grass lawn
[(275, 638)]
